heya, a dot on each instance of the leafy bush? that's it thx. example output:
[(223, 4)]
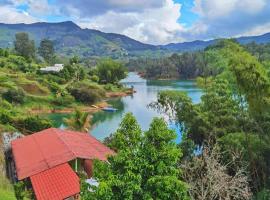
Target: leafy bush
[(110, 71), (63, 100), (14, 96), (87, 93), (94, 78), (33, 124), (5, 117), (263, 195)]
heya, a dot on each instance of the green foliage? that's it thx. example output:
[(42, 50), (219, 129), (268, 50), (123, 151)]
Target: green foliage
[(254, 153), (188, 65), (95, 78), (21, 191), (110, 71), (128, 135), (74, 60), (32, 124), (64, 101), (233, 113), (68, 72), (79, 121), (145, 166), (5, 117), (14, 96), (86, 93), (46, 50), (24, 46), (263, 195), (4, 52), (6, 188)]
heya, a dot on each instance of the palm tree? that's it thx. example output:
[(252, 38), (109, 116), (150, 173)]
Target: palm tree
[(80, 121)]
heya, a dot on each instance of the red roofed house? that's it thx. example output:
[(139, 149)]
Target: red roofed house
[(43, 157)]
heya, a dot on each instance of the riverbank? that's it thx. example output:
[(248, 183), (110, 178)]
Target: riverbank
[(84, 108)]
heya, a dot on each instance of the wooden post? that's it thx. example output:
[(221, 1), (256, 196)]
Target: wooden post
[(76, 165)]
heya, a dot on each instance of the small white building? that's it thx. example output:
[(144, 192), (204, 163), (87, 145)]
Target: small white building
[(56, 68)]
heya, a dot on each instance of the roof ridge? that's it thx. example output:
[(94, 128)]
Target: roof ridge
[(57, 133), (89, 135), (43, 156)]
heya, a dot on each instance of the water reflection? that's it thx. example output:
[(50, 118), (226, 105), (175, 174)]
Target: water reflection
[(105, 123)]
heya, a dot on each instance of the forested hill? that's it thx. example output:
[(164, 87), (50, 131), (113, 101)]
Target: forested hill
[(70, 39), (200, 44)]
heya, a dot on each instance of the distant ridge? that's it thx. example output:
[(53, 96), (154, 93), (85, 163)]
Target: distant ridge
[(70, 39)]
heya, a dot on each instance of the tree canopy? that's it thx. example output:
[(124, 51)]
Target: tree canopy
[(24, 46)]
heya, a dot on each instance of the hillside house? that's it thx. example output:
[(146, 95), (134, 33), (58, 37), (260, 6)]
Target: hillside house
[(44, 158), (52, 69)]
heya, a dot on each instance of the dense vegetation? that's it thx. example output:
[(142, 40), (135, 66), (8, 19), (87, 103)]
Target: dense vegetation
[(224, 152), (145, 166), (190, 65), (233, 116), (26, 91)]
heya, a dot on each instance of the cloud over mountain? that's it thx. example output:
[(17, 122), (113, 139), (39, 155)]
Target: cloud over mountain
[(151, 21)]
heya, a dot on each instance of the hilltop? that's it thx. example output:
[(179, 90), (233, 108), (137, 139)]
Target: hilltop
[(70, 39)]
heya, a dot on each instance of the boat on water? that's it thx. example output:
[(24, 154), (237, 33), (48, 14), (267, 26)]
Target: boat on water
[(109, 109)]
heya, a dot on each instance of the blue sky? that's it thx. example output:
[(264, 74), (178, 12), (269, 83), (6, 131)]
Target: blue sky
[(149, 21)]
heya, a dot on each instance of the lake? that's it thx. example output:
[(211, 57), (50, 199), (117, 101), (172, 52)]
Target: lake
[(105, 123)]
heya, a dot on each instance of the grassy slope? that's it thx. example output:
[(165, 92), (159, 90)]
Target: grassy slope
[(7, 194)]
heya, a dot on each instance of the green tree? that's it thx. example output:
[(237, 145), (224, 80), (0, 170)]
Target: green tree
[(24, 46), (128, 135), (32, 124), (79, 121), (14, 96), (145, 166), (46, 50), (160, 164), (110, 71)]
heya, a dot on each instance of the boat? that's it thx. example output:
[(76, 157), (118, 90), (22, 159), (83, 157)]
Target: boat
[(94, 106), (109, 109)]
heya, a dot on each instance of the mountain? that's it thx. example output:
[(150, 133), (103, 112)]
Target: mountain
[(188, 46), (70, 39), (200, 44)]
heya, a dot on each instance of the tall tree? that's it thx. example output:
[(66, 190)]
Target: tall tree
[(145, 166), (110, 71), (46, 50), (128, 135), (24, 46)]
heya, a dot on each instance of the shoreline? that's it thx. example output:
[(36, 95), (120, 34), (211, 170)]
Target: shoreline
[(86, 108)]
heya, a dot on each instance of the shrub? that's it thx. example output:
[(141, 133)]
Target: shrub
[(63, 100), (5, 117), (86, 93), (14, 96), (263, 195), (33, 124), (110, 71), (94, 78)]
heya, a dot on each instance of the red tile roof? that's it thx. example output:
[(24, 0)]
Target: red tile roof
[(56, 183), (48, 148)]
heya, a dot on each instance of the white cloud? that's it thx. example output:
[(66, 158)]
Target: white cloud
[(257, 30), (151, 21), (9, 14), (153, 25), (214, 9), (230, 18)]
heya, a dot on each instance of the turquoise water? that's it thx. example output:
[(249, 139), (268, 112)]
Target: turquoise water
[(105, 123)]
